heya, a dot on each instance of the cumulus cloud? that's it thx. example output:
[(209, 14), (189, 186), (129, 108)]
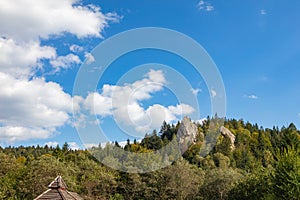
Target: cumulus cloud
[(180, 109), (99, 104), (22, 60), (24, 23), (124, 103), (34, 108), (26, 20)]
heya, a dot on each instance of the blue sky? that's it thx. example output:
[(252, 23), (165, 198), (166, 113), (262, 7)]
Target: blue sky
[(254, 44)]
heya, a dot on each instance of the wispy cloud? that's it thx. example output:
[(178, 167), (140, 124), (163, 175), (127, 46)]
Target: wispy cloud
[(213, 93), (209, 8), (264, 78), (196, 91), (204, 5), (89, 58), (64, 62), (263, 12), (252, 96), (76, 48)]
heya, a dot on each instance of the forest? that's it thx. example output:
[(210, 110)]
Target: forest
[(264, 164)]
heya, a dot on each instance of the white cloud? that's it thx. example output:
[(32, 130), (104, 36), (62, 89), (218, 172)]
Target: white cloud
[(181, 109), (77, 101), (123, 143), (213, 93), (195, 91), (27, 20), (64, 62), (89, 58), (11, 134), (73, 145), (159, 113), (90, 145), (209, 8), (204, 5), (201, 121), (123, 102), (34, 108), (252, 96), (22, 60), (98, 104), (51, 144), (76, 48), (263, 12), (201, 3)]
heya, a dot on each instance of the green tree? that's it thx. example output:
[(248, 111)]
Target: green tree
[(255, 186), (180, 181), (286, 178), (153, 141), (219, 182)]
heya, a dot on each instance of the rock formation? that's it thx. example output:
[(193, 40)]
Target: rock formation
[(227, 133), (186, 134)]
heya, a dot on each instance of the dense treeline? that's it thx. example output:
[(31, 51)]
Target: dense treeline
[(264, 164)]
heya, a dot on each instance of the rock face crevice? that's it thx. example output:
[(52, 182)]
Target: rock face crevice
[(227, 133), (186, 134)]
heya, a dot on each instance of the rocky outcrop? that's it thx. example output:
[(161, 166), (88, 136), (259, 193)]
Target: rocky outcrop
[(186, 134), (227, 133)]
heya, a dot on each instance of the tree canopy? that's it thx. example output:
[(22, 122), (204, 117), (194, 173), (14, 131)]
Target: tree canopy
[(265, 164)]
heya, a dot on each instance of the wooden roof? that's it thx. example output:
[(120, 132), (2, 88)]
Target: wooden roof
[(58, 191)]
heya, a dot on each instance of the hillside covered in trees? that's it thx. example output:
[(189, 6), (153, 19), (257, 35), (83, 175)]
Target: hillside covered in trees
[(264, 164)]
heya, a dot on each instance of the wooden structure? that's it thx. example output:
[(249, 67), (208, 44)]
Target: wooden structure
[(58, 191)]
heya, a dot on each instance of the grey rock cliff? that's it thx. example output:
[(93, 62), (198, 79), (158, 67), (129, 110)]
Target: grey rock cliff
[(227, 133), (186, 134)]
